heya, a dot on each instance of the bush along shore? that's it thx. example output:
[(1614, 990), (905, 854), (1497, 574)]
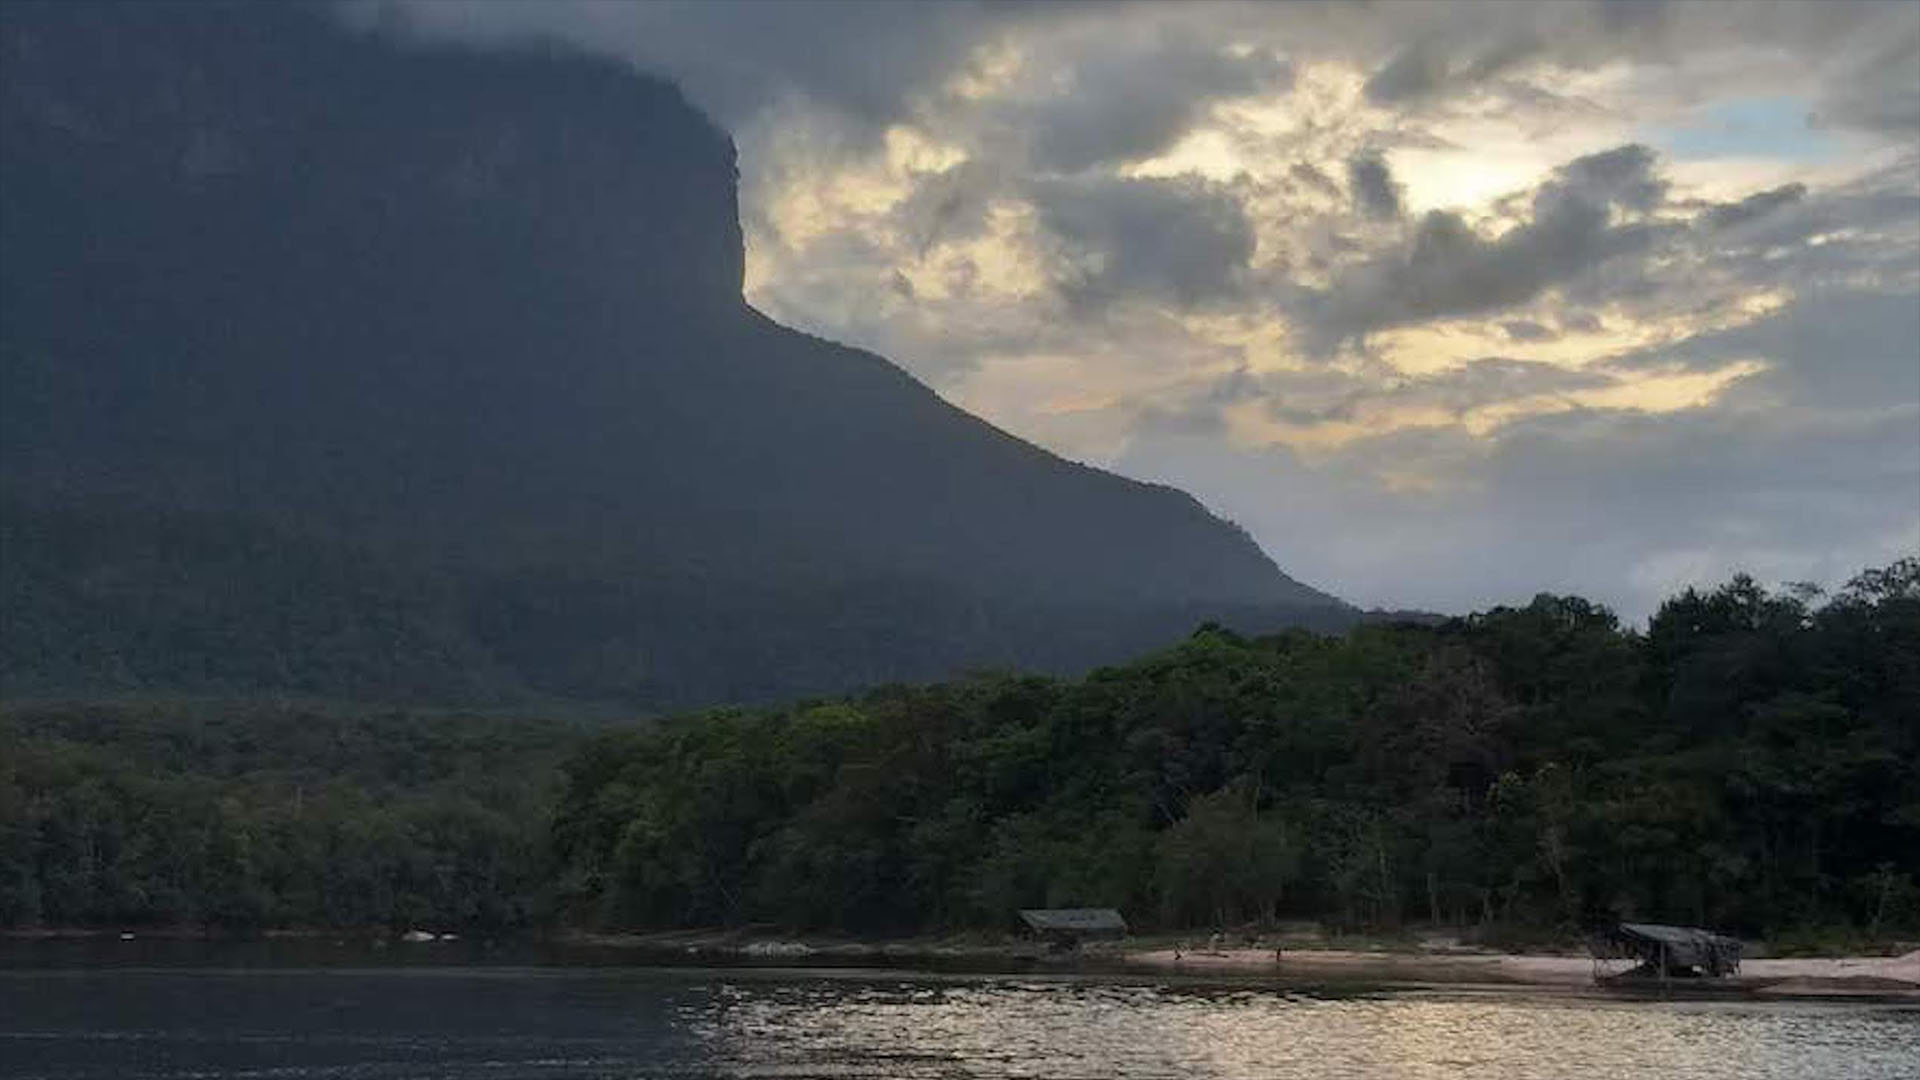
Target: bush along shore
[(1747, 762)]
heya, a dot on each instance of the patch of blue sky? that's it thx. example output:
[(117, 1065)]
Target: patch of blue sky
[(1776, 128)]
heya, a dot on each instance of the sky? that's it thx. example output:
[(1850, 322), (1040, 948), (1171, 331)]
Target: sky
[(1447, 303)]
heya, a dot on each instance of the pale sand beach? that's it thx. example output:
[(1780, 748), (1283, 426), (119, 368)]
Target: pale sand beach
[(1440, 962), (1807, 975)]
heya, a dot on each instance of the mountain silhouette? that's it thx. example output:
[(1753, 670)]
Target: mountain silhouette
[(335, 364)]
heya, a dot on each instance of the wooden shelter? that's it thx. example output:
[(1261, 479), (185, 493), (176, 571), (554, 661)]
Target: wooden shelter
[(1669, 951), (1067, 927)]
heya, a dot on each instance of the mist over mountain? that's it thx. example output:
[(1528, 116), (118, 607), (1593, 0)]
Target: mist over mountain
[(336, 365)]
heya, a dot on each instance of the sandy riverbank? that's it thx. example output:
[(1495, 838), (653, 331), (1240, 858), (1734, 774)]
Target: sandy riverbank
[(1434, 962), (1878, 975)]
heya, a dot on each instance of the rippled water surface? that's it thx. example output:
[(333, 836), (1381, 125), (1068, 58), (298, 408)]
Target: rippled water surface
[(620, 1023)]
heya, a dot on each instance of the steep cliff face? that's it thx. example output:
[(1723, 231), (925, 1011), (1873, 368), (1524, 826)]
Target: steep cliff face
[(343, 366)]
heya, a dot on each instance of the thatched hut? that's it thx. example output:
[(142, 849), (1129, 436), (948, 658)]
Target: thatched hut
[(1669, 951), (1066, 928)]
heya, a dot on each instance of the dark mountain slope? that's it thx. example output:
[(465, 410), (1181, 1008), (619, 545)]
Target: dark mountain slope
[(343, 367)]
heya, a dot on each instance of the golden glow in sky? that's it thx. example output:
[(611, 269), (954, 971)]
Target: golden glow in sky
[(1313, 268)]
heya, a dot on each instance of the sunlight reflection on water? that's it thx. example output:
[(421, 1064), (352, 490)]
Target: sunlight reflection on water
[(614, 1023), (1056, 1031)]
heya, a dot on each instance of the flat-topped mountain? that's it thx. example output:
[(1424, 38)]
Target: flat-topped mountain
[(343, 366)]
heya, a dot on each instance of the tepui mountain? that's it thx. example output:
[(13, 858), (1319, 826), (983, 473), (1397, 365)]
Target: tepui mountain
[(343, 366)]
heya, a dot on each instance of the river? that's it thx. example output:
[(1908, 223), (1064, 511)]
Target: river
[(497, 1021)]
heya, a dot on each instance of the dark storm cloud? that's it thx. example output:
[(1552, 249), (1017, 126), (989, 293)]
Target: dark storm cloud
[(864, 60), (1133, 103), (1883, 94), (1374, 191), (1866, 53), (1753, 207), (1832, 348), (1623, 176), (1860, 235), (872, 61), (949, 205), (1447, 269), (1429, 67), (1527, 330), (1181, 240), (1413, 73)]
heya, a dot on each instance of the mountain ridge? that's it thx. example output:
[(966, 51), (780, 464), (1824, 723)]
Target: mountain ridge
[(450, 346)]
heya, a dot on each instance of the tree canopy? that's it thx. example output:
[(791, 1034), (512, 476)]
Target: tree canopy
[(1751, 762)]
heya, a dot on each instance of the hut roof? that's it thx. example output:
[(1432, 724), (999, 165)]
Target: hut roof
[(1074, 920), (1684, 946), (1669, 935)]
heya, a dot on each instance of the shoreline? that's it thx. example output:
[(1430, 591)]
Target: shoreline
[(1828, 976), (1895, 976), (1444, 965)]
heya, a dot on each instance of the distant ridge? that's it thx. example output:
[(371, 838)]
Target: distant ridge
[(334, 366)]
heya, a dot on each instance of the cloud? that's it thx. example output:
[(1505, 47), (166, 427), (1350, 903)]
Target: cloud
[(1117, 105), (949, 205), (1432, 65), (1753, 207), (1622, 176), (866, 61), (1613, 504), (1414, 73), (1371, 182), (1322, 396), (874, 62), (1449, 269), (1828, 349), (1884, 93), (1182, 240), (1314, 179), (1528, 330)]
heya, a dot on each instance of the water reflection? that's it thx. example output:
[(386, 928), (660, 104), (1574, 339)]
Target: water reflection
[(457, 1023), (1069, 1031)]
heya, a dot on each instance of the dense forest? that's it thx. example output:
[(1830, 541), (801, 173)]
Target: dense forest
[(1751, 760), (250, 815)]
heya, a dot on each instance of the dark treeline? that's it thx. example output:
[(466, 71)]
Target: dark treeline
[(1751, 761), (255, 815)]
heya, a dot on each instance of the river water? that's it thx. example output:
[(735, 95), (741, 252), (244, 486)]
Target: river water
[(491, 1022)]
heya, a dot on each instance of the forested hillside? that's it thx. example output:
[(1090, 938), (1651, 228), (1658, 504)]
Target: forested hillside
[(1751, 761)]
